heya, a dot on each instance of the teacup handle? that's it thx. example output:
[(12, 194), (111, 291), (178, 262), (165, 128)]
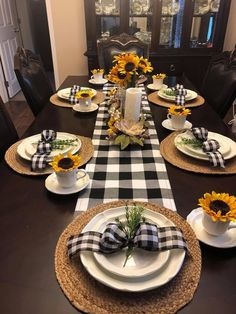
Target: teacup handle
[(169, 116), (232, 225), (92, 77)]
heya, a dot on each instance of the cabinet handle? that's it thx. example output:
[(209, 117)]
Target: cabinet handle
[(172, 68)]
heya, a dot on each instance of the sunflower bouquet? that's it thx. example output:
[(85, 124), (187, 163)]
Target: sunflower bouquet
[(128, 67)]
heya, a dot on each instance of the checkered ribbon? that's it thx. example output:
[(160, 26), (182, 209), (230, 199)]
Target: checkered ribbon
[(180, 94), (210, 147), (148, 237), (72, 99), (136, 173), (39, 159)]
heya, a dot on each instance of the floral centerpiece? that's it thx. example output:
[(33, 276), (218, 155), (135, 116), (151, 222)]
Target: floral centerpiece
[(179, 110), (128, 67)]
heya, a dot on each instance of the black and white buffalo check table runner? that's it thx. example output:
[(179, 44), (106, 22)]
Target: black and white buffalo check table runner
[(137, 173)]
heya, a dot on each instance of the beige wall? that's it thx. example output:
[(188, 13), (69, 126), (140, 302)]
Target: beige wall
[(66, 21), (230, 37)]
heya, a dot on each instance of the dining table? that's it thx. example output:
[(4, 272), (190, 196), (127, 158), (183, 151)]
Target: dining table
[(32, 219)]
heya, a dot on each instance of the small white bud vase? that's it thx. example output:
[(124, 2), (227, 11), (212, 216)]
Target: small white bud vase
[(133, 103), (67, 179)]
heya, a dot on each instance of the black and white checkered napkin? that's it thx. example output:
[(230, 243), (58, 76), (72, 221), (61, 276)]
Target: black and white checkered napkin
[(72, 99), (39, 159), (136, 173), (210, 147), (148, 237), (180, 94)]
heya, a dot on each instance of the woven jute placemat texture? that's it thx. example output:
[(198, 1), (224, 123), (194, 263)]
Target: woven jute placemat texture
[(90, 296), (55, 100), (155, 99), (170, 153), (23, 166)]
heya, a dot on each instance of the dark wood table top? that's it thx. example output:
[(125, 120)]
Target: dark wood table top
[(32, 219)]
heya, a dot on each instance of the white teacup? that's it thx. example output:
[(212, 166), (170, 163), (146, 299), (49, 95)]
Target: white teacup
[(216, 228), (85, 103), (157, 83), (176, 121), (98, 77), (67, 179)]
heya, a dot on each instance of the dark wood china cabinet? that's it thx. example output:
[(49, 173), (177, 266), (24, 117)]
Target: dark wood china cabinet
[(182, 34)]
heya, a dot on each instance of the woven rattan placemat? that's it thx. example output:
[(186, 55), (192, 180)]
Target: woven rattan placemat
[(90, 296), (23, 166), (55, 100), (155, 99), (170, 153)]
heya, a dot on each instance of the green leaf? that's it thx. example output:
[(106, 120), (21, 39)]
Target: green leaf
[(137, 140), (122, 140)]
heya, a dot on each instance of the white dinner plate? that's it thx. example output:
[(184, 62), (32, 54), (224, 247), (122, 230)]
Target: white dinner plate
[(25, 149), (152, 87), (134, 284), (92, 108), (227, 240), (65, 93), (100, 82), (228, 146), (52, 185), (167, 124), (190, 95)]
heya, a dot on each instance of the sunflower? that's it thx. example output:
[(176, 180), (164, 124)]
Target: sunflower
[(60, 163), (84, 93), (118, 77), (128, 63), (179, 111), (144, 65), (96, 71), (220, 206), (159, 76)]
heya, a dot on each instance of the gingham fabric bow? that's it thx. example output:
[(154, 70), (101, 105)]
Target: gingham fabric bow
[(180, 94), (148, 237), (72, 99), (210, 147), (39, 159)]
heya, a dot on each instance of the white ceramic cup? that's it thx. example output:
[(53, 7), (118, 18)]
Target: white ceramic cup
[(67, 179), (85, 103), (176, 121), (98, 77), (157, 83), (216, 228)]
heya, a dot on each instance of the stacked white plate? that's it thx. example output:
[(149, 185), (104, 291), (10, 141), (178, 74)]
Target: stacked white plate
[(144, 270), (227, 146), (190, 94), (65, 93), (27, 148)]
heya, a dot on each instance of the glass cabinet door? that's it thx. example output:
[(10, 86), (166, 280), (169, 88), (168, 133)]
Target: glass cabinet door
[(204, 23), (140, 19), (107, 18)]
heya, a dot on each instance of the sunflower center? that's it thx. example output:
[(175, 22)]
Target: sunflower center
[(66, 163), (85, 95), (219, 205), (129, 66), (121, 75), (179, 110)]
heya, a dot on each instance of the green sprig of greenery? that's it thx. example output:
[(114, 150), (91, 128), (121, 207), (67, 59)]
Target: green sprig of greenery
[(130, 226), (192, 142), (169, 92), (62, 144)]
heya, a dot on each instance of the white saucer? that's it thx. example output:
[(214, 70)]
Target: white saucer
[(100, 82), (152, 87), (52, 185), (167, 124), (227, 240), (93, 107)]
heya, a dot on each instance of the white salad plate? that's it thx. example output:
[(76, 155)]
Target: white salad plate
[(190, 95), (91, 108), (52, 185), (28, 146), (227, 146), (106, 273), (65, 93), (152, 87), (167, 124), (227, 240), (100, 82)]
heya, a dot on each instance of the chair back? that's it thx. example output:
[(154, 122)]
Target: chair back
[(219, 84), (8, 134), (32, 78), (115, 45)]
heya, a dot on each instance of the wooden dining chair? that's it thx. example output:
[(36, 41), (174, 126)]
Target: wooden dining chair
[(115, 45), (219, 84), (32, 78), (8, 134)]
